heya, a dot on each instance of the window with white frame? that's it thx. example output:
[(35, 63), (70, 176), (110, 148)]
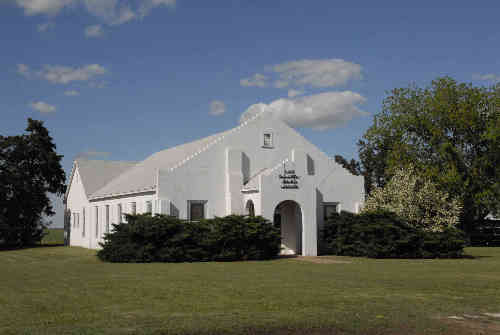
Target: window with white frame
[(133, 209), (77, 220), (330, 208), (196, 209), (107, 218), (119, 213), (149, 207), (267, 140), (83, 222), (96, 221)]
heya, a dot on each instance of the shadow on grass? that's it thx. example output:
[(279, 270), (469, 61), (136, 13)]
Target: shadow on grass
[(51, 245), (475, 257)]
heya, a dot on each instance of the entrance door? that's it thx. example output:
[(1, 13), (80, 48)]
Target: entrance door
[(289, 216)]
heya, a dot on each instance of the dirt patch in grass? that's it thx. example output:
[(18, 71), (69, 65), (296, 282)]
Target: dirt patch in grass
[(472, 324), (322, 260)]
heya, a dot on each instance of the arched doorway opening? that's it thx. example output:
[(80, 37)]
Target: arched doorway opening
[(250, 208), (288, 216)]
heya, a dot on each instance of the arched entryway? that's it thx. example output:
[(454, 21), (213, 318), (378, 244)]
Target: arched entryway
[(288, 216)]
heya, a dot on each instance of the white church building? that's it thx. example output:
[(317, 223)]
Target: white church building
[(261, 167)]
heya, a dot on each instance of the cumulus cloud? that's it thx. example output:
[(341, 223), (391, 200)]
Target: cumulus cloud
[(93, 31), (71, 93), (257, 80), (42, 107), (293, 93), (42, 27), (317, 73), (217, 108), (320, 111), (49, 7), (112, 12), (60, 74), (486, 77)]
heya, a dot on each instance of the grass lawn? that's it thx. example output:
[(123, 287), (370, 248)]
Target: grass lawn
[(54, 236), (60, 290)]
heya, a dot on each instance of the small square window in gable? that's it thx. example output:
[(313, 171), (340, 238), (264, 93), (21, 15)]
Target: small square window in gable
[(268, 139)]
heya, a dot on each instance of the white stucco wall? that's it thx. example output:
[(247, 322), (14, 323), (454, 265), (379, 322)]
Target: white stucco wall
[(216, 176), (95, 213)]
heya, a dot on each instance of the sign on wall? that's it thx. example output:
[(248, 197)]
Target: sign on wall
[(289, 180)]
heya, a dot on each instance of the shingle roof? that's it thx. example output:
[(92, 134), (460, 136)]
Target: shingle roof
[(97, 173), (141, 177)]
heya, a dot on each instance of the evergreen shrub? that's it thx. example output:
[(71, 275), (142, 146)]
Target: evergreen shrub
[(160, 238), (382, 234)]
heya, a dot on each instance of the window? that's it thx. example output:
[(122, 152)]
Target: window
[(96, 221), (250, 208), (330, 208), (149, 207), (196, 209), (107, 218), (267, 140), (119, 213), (132, 208), (83, 223), (77, 220)]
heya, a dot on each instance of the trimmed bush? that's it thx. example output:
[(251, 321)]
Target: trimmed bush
[(168, 239), (384, 235)]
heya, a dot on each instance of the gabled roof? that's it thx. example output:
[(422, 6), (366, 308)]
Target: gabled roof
[(97, 173), (141, 177)]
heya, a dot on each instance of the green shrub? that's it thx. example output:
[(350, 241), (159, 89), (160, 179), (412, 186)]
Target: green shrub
[(167, 239), (383, 234)]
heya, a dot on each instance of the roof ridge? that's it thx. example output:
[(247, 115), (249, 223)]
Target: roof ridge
[(212, 140), (215, 141), (104, 160)]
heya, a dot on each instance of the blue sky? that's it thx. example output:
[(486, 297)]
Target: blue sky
[(120, 80)]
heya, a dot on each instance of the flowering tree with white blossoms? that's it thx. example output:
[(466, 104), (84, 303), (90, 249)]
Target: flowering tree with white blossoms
[(417, 200)]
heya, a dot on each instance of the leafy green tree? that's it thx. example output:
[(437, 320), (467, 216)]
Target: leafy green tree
[(450, 132), (30, 168)]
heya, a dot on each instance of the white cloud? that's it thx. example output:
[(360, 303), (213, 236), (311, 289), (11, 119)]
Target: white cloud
[(42, 107), (217, 108), (148, 5), (258, 80), (49, 7), (71, 93), (24, 70), (486, 77), (42, 27), (293, 93), (316, 73), (60, 74), (93, 31), (112, 12), (320, 111)]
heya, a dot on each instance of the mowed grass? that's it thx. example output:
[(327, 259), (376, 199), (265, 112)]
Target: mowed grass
[(54, 236), (60, 290)]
